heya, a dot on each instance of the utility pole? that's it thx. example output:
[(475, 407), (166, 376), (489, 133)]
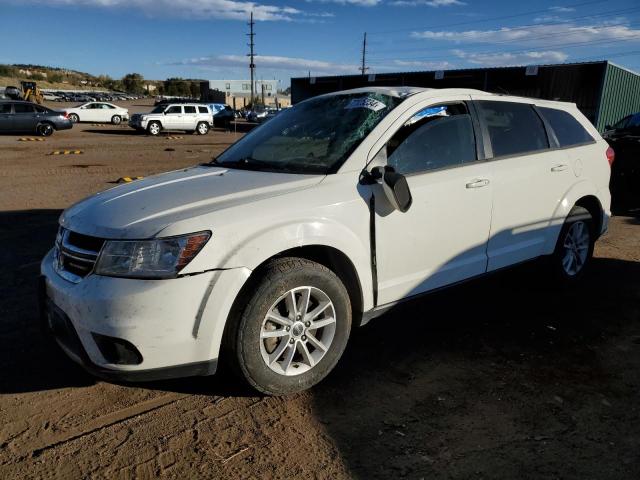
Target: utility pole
[(364, 67), (252, 66)]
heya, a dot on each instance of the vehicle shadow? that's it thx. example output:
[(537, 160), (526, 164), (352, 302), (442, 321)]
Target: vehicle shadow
[(30, 360), (503, 377), (129, 132)]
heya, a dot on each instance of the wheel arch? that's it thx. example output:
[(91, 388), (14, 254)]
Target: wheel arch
[(332, 258), (594, 207), (582, 195)]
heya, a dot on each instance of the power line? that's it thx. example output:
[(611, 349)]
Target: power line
[(530, 26), (503, 17), (499, 52)]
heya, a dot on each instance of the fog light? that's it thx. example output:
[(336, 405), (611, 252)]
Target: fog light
[(117, 351)]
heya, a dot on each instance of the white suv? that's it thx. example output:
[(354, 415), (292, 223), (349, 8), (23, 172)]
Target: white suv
[(189, 117), (317, 222)]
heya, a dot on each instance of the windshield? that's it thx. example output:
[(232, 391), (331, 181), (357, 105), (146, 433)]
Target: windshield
[(314, 137), (159, 109)]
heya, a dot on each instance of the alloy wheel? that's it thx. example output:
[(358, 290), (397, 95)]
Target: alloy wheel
[(576, 248), (297, 331)]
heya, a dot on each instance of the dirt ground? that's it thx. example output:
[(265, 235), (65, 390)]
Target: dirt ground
[(500, 378)]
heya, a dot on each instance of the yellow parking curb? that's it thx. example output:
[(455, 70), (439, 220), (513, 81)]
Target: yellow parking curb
[(173, 137), (128, 179), (66, 152), (30, 139)]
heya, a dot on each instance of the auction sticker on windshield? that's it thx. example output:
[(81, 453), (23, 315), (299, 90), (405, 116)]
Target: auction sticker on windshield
[(366, 102)]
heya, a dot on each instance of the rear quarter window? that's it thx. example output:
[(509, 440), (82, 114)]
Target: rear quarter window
[(514, 128), (567, 129)]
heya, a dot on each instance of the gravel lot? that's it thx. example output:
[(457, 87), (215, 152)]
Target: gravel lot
[(499, 378)]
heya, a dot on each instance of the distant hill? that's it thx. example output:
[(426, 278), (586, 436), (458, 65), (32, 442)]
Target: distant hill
[(60, 78), (48, 77)]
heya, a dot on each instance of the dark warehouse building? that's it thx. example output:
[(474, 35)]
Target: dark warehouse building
[(603, 91)]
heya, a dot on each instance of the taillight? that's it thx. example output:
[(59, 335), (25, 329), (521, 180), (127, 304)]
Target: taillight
[(65, 114), (611, 155)]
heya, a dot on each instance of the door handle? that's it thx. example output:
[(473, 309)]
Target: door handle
[(483, 182), (559, 168)]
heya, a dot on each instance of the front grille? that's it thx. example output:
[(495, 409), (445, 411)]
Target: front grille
[(76, 254)]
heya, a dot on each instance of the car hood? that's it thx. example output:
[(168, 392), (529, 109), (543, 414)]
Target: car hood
[(143, 208)]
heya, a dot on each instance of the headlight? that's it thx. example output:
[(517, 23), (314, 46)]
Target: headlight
[(161, 258)]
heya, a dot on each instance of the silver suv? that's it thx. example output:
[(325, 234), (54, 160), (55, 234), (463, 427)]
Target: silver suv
[(189, 117)]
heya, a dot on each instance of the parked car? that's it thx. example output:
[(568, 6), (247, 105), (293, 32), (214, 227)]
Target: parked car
[(624, 137), (223, 117), (629, 125), (18, 117), (190, 117), (316, 222), (98, 112)]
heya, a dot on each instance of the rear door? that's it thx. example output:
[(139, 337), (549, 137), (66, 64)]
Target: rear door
[(530, 179), (24, 118), (6, 117), (190, 117)]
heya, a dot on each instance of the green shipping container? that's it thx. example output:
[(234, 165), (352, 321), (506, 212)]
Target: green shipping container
[(620, 95), (603, 91)]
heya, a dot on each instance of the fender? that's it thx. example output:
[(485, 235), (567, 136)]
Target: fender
[(578, 190), (265, 244)]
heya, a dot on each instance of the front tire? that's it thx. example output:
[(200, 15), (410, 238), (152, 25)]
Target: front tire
[(74, 118), (116, 120), (293, 329), (154, 128), (574, 249)]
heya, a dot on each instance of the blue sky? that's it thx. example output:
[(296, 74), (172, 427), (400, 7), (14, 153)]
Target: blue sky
[(206, 38)]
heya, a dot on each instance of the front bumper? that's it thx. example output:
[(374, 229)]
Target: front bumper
[(175, 325)]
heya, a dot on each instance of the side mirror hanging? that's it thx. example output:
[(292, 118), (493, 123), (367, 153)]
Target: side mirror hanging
[(395, 187)]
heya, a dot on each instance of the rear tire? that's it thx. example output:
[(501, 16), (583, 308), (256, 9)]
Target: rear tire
[(154, 128), (280, 347), (574, 249), (45, 129), (202, 128), (74, 118)]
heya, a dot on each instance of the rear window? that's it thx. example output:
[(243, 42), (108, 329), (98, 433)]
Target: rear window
[(514, 128), (203, 110), (189, 109), (567, 129)]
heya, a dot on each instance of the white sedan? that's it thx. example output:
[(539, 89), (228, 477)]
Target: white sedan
[(97, 112)]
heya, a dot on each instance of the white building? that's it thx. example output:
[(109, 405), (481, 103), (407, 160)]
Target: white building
[(238, 88)]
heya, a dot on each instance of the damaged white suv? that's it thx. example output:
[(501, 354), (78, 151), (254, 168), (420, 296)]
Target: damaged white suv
[(316, 222)]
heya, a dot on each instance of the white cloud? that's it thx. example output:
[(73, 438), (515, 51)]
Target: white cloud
[(200, 9), (423, 65), (507, 59), (562, 9), (537, 35), (359, 3), (268, 62), (427, 3)]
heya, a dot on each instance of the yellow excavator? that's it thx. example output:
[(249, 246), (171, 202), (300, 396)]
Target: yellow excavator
[(30, 92)]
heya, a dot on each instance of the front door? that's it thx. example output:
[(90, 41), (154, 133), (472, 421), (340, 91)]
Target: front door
[(173, 118), (442, 238)]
